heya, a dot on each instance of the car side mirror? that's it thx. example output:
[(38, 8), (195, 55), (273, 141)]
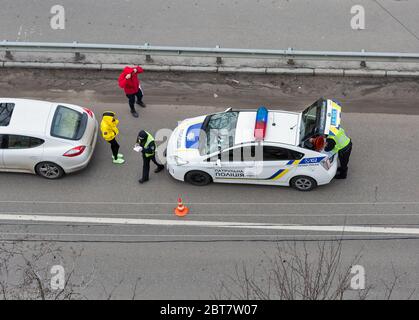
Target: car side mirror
[(218, 163)]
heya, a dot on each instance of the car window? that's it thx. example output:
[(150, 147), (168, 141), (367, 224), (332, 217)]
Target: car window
[(21, 142), (68, 124), (247, 153), (232, 155), (271, 153), (6, 111), (219, 131), (295, 155), (2, 145)]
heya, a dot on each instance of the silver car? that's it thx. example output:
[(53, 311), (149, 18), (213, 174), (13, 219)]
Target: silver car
[(45, 138)]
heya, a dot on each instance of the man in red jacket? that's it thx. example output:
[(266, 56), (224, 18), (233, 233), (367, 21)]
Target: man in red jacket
[(128, 80)]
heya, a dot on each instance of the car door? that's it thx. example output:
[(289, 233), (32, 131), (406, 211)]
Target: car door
[(229, 166), (278, 164), (22, 153)]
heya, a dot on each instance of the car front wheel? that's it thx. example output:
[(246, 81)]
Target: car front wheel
[(49, 170), (303, 183), (198, 178)]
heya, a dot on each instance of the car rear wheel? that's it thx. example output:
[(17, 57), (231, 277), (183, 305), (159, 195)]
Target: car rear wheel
[(198, 178), (303, 183), (49, 170)]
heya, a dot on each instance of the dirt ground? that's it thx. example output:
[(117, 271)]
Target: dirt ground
[(395, 95)]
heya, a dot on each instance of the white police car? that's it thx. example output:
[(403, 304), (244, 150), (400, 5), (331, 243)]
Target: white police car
[(255, 147)]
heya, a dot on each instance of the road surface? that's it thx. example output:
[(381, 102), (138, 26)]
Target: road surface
[(377, 207), (278, 24)]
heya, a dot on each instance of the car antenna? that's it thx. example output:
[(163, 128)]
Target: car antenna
[(292, 128), (273, 119)]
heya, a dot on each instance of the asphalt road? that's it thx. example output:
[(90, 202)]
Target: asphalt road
[(185, 261), (302, 24)]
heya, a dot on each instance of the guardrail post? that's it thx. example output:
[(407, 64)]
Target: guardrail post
[(363, 63), (219, 60), (290, 61), (148, 56), (78, 56), (9, 55)]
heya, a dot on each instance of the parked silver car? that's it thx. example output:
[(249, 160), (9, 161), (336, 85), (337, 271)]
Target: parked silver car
[(45, 138)]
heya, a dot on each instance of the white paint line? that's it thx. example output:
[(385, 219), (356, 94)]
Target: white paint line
[(209, 224), (110, 235), (201, 214), (211, 203)]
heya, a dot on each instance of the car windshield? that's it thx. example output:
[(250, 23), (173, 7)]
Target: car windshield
[(68, 124), (312, 120), (219, 130)]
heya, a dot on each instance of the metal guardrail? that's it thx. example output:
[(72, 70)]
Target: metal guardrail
[(217, 52)]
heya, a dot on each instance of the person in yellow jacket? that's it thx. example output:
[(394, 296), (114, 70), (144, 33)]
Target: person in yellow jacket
[(109, 128)]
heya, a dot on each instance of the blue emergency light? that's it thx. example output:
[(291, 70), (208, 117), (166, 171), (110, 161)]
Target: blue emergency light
[(261, 123)]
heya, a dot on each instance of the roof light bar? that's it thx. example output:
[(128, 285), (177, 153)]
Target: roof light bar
[(261, 123)]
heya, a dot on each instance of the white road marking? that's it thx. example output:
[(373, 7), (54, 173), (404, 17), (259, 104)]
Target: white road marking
[(351, 214), (211, 236), (209, 224), (212, 203)]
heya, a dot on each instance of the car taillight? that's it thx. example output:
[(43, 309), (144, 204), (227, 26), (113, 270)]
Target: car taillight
[(89, 112), (75, 151), (326, 163)]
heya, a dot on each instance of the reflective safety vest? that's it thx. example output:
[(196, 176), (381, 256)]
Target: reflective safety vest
[(149, 140), (341, 139)]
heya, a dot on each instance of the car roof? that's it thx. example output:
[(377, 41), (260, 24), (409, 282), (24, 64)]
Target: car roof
[(28, 116), (282, 127)]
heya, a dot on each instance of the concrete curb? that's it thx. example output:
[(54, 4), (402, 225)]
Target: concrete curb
[(218, 69)]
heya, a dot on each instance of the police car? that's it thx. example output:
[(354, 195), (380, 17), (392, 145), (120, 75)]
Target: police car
[(268, 147)]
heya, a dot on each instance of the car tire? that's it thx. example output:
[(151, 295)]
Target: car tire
[(198, 178), (303, 183), (49, 170)]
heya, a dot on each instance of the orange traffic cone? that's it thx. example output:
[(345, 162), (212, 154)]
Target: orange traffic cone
[(181, 210)]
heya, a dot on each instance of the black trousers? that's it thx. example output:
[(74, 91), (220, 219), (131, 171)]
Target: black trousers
[(114, 148), (344, 155), (131, 99), (146, 166)]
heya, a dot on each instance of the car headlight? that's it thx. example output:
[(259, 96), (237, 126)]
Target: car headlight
[(179, 161)]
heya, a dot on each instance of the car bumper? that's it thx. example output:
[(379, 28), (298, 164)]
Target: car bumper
[(82, 162), (177, 172), (327, 176)]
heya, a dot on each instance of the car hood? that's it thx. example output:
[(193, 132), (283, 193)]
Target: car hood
[(184, 141)]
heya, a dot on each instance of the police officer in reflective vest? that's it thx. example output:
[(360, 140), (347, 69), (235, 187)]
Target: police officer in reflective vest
[(341, 144), (146, 142)]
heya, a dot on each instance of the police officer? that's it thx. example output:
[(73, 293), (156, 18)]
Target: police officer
[(341, 144), (148, 149)]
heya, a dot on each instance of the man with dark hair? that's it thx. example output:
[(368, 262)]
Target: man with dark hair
[(341, 144), (148, 149)]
